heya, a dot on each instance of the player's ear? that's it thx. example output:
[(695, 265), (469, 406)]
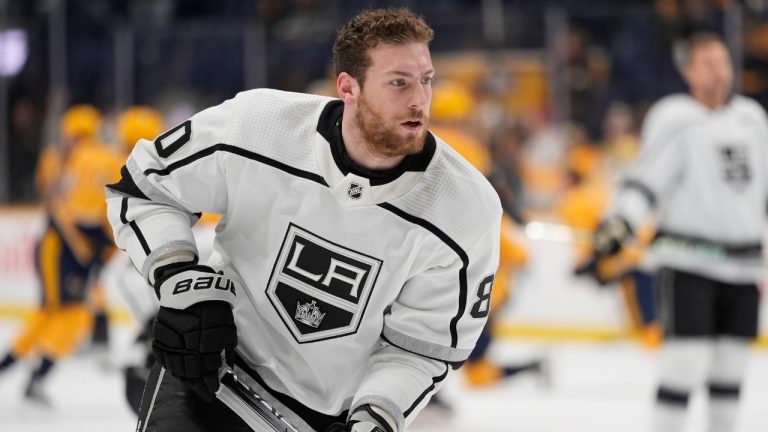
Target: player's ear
[(347, 87)]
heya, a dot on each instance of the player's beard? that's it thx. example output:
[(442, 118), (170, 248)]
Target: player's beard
[(386, 139)]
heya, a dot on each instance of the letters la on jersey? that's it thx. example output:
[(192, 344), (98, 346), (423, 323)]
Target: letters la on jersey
[(320, 289)]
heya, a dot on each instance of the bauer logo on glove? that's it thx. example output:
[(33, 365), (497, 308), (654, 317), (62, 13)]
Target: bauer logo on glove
[(203, 283), (181, 286)]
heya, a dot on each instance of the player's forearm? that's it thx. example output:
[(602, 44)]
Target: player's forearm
[(634, 203), (400, 383), (151, 233)]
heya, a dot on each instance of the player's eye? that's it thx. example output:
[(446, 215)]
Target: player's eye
[(398, 82), (427, 80)]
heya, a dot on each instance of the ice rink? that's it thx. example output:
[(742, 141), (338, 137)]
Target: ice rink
[(594, 387)]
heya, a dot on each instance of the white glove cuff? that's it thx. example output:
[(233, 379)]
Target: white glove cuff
[(180, 256)]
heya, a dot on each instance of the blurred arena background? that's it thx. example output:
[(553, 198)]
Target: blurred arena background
[(553, 92)]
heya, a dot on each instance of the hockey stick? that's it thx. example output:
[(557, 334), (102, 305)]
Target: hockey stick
[(246, 403)]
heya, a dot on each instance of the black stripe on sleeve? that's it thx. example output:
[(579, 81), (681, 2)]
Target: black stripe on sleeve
[(724, 391), (456, 248), (124, 210), (134, 226), (668, 396), (240, 152), (642, 188), (424, 394), (126, 185)]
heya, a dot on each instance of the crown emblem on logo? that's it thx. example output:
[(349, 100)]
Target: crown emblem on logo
[(309, 314), (355, 191)]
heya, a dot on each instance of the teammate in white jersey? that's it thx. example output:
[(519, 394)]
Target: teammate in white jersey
[(704, 168), (353, 264)]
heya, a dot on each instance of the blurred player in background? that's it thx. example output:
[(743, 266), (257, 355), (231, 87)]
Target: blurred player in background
[(621, 144), (452, 107), (355, 258), (704, 168), (582, 206), (75, 243)]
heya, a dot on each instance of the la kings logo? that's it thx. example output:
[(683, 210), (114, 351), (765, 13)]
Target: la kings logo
[(320, 289), (736, 172)]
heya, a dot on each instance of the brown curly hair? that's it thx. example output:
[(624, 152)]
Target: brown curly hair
[(371, 27)]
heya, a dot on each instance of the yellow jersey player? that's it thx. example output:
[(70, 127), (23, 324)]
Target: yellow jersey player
[(581, 207), (73, 246), (134, 123)]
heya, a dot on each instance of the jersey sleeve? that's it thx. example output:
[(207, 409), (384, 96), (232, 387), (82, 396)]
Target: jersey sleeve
[(431, 329), (440, 312), (762, 132), (662, 122), (165, 185), (654, 174), (400, 383)]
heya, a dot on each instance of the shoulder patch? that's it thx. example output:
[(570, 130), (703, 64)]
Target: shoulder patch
[(172, 140)]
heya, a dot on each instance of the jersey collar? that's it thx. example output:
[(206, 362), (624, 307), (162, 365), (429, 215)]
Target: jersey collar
[(356, 185)]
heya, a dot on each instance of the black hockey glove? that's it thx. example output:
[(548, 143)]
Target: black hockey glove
[(195, 328), (609, 239), (364, 419), (610, 236)]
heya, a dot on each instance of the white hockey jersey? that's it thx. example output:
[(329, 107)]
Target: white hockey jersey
[(348, 286), (706, 173)]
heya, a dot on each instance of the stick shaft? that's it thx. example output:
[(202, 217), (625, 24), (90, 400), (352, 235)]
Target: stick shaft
[(252, 408)]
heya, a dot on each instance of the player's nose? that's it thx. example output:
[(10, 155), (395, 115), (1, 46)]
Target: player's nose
[(419, 98)]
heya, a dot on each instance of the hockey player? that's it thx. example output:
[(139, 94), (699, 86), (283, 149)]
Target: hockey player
[(75, 244), (582, 206), (353, 265), (703, 168)]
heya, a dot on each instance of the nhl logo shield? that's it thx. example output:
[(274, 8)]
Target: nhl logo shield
[(320, 289), (355, 190)]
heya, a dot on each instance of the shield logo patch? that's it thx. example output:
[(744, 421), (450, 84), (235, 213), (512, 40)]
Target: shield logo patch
[(319, 288), (735, 166)]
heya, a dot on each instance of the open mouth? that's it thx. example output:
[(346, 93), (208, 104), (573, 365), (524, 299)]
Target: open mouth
[(412, 124)]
